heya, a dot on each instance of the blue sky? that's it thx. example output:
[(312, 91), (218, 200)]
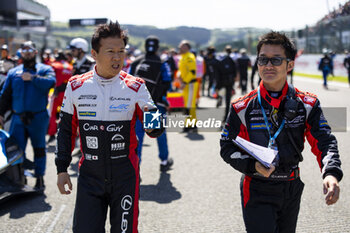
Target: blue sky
[(273, 14)]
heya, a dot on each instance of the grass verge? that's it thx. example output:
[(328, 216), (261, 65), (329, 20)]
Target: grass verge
[(341, 79)]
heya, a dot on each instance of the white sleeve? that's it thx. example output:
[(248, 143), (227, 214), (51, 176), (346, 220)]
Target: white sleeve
[(144, 98), (67, 104)]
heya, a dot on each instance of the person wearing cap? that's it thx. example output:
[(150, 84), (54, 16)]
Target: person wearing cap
[(25, 92), (187, 69), (82, 63), (157, 76), (6, 63), (243, 63)]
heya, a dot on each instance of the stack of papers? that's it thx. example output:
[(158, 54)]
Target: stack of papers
[(263, 154)]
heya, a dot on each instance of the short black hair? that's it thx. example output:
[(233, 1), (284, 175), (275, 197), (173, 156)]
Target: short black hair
[(277, 38), (108, 30)]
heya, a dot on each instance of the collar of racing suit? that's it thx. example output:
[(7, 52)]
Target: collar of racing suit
[(104, 81), (275, 102)]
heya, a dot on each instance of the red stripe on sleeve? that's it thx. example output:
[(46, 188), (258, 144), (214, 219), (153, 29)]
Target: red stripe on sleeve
[(243, 133), (313, 143), (246, 192)]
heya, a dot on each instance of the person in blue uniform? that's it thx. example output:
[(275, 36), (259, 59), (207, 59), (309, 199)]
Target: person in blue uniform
[(25, 93)]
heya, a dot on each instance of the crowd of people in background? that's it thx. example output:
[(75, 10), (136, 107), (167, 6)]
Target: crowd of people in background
[(206, 73), (342, 10)]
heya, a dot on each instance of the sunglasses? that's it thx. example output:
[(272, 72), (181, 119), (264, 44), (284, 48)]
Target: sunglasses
[(27, 50), (275, 61)]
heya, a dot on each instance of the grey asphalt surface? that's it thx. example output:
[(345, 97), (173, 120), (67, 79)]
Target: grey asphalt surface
[(200, 193)]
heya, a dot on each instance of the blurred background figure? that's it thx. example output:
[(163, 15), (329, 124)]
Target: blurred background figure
[(6, 63), (31, 81), (187, 68), (83, 63), (69, 56), (63, 71), (243, 63), (346, 64), (157, 75), (172, 63), (226, 79), (47, 57), (211, 71), (254, 69), (200, 70), (326, 66)]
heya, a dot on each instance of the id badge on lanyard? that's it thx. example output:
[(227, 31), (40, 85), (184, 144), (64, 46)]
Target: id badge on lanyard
[(272, 139)]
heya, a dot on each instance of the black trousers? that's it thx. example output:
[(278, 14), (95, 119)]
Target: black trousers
[(94, 197), (243, 82), (270, 206), (228, 96)]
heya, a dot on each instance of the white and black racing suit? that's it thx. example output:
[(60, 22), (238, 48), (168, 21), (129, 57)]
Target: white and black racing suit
[(105, 112)]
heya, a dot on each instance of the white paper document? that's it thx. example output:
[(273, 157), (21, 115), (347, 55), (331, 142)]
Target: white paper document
[(263, 154)]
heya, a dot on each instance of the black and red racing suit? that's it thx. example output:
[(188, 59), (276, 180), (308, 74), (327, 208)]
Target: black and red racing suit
[(273, 203), (105, 112)]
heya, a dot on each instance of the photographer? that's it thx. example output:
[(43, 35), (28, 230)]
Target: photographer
[(25, 93)]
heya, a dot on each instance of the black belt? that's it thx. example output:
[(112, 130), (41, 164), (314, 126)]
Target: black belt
[(280, 176)]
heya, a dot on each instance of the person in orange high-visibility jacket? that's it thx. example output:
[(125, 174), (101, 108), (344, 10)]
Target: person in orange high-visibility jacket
[(187, 68)]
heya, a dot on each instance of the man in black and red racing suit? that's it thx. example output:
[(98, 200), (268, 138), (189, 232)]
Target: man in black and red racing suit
[(270, 198), (104, 110)]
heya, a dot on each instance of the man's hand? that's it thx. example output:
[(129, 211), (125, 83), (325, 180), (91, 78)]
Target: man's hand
[(63, 179), (26, 76), (331, 189), (266, 172)]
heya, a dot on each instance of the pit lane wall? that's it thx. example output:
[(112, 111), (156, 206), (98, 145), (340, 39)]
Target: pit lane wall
[(308, 64)]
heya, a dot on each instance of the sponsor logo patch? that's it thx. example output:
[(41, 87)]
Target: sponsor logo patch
[(259, 125), (114, 128), (91, 157), (87, 97), (323, 123), (87, 105), (112, 98), (119, 108), (91, 142), (117, 146), (224, 132), (88, 127), (117, 137), (87, 114)]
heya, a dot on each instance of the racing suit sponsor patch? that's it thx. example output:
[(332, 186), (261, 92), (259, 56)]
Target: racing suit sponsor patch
[(323, 123), (91, 142), (117, 146), (259, 125), (87, 114), (91, 157)]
